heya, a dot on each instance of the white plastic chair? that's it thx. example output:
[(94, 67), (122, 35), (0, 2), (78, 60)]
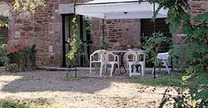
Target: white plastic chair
[(104, 58), (97, 57), (111, 59), (134, 59), (163, 58)]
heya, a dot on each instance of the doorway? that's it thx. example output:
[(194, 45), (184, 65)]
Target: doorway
[(148, 27), (84, 34)]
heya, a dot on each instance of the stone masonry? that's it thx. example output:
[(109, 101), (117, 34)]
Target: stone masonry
[(43, 28), (117, 33)]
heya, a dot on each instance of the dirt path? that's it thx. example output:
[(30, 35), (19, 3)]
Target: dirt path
[(118, 91)]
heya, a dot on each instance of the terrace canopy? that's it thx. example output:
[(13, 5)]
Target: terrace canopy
[(119, 9)]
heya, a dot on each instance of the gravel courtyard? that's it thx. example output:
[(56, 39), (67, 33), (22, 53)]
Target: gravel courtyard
[(85, 91)]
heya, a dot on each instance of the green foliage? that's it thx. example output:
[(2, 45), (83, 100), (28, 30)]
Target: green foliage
[(27, 5), (152, 45), (15, 104), (12, 68), (177, 12), (104, 45), (193, 53), (8, 104), (75, 44), (24, 57), (4, 21), (203, 17), (20, 6), (166, 81), (4, 60), (2, 40), (88, 24)]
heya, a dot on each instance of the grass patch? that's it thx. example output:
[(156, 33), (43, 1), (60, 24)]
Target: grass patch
[(170, 80), (15, 104), (72, 79), (29, 78)]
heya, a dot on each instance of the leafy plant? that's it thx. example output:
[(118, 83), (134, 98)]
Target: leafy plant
[(75, 44), (20, 6), (104, 45), (18, 104), (24, 56), (195, 53), (152, 45), (13, 67), (4, 21), (4, 60)]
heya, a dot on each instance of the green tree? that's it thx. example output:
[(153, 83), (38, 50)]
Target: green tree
[(20, 5), (195, 52)]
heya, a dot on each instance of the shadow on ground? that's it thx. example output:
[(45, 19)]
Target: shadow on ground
[(55, 81)]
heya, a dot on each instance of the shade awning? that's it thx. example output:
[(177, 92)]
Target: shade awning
[(119, 9)]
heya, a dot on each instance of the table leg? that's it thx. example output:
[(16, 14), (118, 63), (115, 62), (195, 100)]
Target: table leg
[(124, 69), (122, 62)]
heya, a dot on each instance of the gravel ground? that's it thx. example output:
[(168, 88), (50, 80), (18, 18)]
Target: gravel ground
[(85, 91)]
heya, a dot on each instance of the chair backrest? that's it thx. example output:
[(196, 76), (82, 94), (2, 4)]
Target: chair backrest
[(135, 56), (163, 56), (98, 55), (110, 56)]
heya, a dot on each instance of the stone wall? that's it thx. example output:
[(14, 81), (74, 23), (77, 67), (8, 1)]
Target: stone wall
[(198, 7), (43, 28), (118, 33)]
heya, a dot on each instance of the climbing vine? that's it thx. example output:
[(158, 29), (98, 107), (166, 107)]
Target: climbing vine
[(75, 43)]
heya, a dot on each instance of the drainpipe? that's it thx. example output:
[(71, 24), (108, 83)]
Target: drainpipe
[(103, 30), (154, 13)]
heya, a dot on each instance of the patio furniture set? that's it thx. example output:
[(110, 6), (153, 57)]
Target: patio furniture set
[(132, 61)]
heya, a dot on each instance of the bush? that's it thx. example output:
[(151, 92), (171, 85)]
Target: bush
[(3, 55), (12, 68), (8, 104), (23, 56)]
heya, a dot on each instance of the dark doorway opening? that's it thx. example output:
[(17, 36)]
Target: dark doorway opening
[(148, 27), (84, 35)]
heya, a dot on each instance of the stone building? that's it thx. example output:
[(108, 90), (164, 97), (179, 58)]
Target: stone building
[(49, 30)]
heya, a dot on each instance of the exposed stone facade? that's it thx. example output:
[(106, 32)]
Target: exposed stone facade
[(117, 33), (44, 28), (198, 7)]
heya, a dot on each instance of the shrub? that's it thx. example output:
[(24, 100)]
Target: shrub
[(13, 67), (4, 60), (23, 56)]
